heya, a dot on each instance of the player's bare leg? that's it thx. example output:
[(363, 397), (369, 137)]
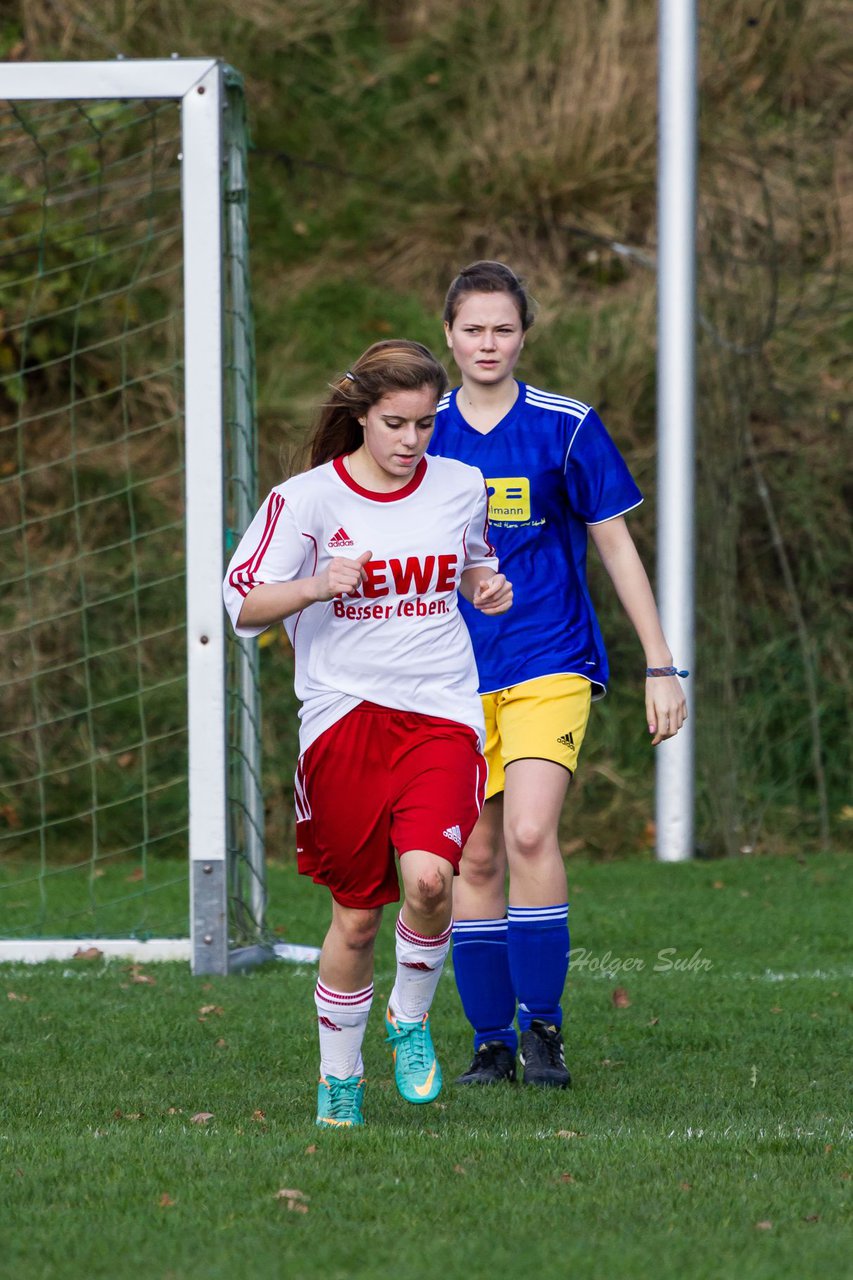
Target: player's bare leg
[(533, 801), (422, 942), (480, 890)]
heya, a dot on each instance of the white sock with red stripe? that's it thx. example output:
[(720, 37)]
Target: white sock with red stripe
[(342, 1022), (420, 961)]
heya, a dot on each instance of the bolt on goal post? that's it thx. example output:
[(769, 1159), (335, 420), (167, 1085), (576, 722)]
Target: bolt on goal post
[(224, 822)]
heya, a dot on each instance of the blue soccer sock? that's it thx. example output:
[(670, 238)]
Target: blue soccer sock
[(538, 949), (481, 967)]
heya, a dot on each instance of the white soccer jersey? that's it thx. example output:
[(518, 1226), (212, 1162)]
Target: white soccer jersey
[(399, 640)]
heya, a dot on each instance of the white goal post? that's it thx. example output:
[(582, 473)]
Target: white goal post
[(213, 184)]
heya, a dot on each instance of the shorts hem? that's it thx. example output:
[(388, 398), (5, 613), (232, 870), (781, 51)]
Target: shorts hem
[(437, 853), (345, 900), (543, 675)]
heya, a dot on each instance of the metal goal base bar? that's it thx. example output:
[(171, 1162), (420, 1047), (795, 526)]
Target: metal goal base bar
[(38, 950)]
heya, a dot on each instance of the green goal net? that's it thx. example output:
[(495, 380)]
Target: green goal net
[(96, 498)]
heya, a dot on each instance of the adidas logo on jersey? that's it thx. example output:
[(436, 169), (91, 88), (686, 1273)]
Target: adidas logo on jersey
[(567, 740), (454, 834), (340, 539)]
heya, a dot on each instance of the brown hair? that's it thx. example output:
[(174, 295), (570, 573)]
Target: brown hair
[(489, 277), (393, 365)]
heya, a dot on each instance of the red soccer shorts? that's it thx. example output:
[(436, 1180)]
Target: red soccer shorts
[(380, 781)]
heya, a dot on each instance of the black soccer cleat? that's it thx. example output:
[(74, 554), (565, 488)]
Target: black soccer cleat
[(542, 1056), (493, 1063)]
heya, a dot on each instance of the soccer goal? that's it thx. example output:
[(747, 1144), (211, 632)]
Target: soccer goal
[(129, 741)]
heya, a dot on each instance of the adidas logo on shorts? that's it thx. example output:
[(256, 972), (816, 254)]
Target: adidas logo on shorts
[(454, 834), (340, 539), (567, 740)]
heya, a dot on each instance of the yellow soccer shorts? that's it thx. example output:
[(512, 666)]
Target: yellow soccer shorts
[(542, 719)]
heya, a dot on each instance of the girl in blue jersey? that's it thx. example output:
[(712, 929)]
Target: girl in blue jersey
[(555, 480)]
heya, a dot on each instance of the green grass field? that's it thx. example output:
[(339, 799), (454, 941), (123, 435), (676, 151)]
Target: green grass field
[(705, 1135)]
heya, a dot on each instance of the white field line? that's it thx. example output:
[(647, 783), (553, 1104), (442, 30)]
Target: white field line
[(834, 1131), (767, 975)]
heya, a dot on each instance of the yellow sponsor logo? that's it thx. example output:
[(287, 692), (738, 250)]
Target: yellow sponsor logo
[(509, 499)]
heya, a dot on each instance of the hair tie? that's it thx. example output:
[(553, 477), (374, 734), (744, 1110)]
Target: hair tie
[(350, 376)]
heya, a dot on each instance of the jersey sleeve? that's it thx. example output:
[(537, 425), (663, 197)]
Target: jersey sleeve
[(479, 551), (271, 550), (598, 483)]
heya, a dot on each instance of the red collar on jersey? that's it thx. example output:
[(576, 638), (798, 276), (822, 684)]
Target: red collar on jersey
[(409, 487)]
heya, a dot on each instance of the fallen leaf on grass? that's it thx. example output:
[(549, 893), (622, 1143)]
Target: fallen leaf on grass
[(141, 979), (686, 1186), (136, 876), (654, 1022), (259, 1115), (812, 1217), (294, 1199), (312, 1150), (612, 1062), (201, 1117), (175, 1111), (221, 1044), (764, 1226), (166, 1201), (207, 1009), (567, 1177), (568, 1133), (776, 1009), (13, 995), (87, 953), (458, 1168), (718, 884), (827, 1148), (620, 999)]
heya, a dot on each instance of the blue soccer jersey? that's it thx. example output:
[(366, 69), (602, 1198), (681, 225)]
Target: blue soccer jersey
[(551, 470)]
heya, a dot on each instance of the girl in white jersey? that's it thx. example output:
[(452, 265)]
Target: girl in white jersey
[(362, 558), (555, 479)]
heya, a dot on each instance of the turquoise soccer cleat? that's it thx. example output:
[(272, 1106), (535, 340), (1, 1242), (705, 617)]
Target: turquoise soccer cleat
[(339, 1102), (416, 1068)]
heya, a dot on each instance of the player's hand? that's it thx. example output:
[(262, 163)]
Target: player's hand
[(342, 577), (493, 595), (666, 707)]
